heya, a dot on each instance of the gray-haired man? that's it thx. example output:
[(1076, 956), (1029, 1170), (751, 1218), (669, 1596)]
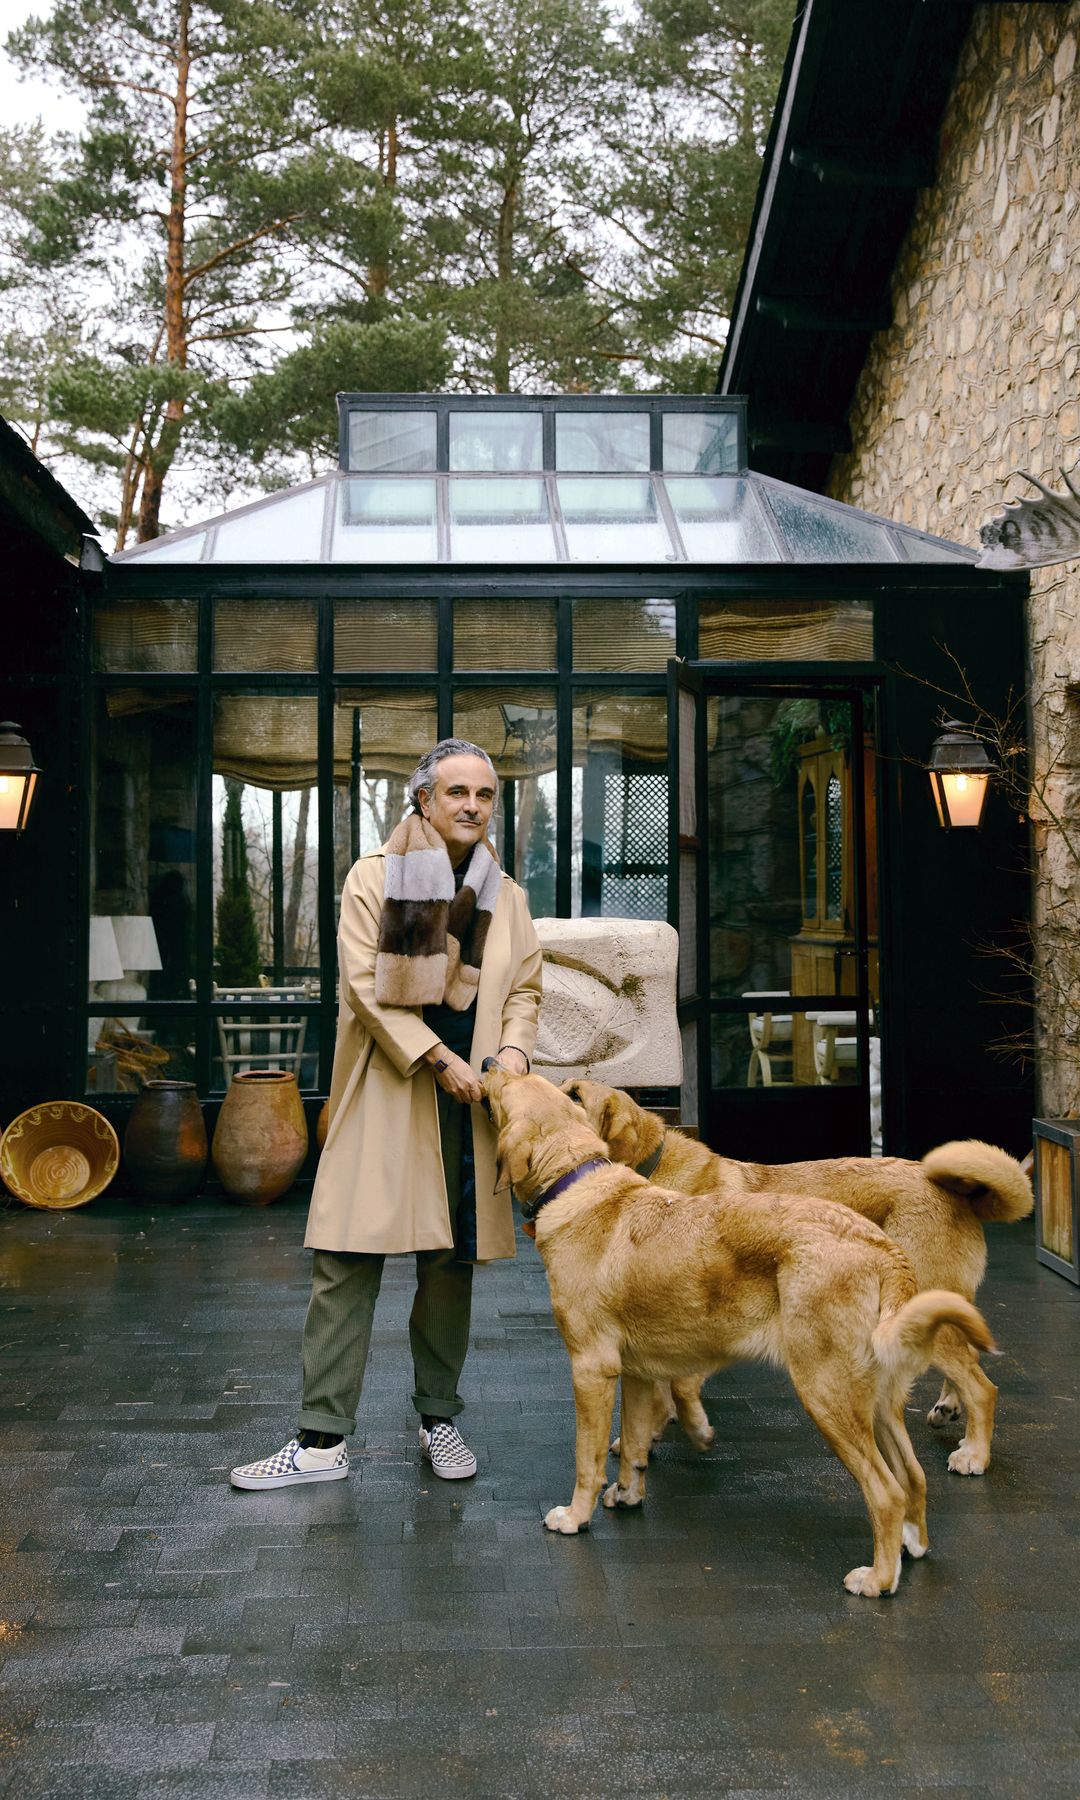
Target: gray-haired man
[(440, 968)]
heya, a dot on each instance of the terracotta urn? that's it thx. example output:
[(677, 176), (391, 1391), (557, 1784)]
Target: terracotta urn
[(165, 1149), (261, 1139), (322, 1124)]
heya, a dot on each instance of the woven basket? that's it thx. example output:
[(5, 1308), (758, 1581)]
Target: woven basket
[(59, 1154)]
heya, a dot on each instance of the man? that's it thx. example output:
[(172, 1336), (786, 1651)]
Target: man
[(440, 968)]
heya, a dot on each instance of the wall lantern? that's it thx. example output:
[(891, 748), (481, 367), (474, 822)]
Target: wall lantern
[(18, 778), (960, 772)]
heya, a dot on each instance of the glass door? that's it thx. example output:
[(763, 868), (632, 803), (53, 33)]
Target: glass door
[(776, 889)]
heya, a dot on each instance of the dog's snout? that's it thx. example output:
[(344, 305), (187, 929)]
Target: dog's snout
[(489, 1062)]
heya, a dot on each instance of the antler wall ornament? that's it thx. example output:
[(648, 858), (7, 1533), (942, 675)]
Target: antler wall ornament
[(1029, 534)]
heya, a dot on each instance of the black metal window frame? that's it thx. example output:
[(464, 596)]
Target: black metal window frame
[(322, 684), (204, 584)]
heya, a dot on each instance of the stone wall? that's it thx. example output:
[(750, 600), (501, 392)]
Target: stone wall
[(979, 377)]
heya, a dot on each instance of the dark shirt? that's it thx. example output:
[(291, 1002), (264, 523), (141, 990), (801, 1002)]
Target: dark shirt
[(453, 1028)]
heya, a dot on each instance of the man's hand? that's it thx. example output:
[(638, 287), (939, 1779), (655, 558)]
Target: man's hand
[(512, 1060), (455, 1077)]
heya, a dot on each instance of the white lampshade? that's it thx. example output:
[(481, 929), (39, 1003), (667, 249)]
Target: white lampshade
[(136, 941), (105, 964)]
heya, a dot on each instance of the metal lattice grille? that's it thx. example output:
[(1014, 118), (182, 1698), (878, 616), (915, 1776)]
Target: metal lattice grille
[(635, 845), (834, 847)]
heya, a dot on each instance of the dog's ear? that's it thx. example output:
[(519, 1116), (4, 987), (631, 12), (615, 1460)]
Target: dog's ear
[(513, 1154), (619, 1126)]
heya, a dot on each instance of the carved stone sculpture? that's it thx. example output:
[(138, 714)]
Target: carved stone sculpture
[(1030, 534), (609, 1002)]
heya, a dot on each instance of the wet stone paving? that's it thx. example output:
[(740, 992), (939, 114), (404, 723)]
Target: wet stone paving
[(164, 1636)]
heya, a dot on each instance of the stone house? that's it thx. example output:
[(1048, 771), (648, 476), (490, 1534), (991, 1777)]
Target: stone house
[(906, 332)]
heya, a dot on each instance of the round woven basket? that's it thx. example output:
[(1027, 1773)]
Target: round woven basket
[(58, 1154)]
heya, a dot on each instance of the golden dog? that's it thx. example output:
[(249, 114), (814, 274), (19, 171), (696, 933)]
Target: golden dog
[(647, 1283), (933, 1209)]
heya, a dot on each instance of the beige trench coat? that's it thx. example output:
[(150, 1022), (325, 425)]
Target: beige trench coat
[(380, 1185)]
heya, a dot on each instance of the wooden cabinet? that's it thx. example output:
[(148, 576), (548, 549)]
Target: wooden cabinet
[(823, 957)]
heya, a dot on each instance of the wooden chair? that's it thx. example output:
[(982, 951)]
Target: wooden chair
[(835, 1045), (770, 1040), (258, 1038)]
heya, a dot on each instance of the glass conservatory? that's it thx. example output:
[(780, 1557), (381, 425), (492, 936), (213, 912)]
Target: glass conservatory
[(709, 697)]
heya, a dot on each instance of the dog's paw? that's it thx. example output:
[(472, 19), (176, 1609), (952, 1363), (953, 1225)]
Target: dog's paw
[(865, 1582), (703, 1439), (615, 1447), (943, 1412), (624, 1496), (561, 1519), (913, 1543), (965, 1460)]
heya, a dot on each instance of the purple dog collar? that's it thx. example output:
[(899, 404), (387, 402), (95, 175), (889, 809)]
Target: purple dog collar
[(529, 1211)]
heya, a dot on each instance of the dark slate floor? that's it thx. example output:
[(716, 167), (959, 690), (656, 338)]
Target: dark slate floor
[(163, 1636)]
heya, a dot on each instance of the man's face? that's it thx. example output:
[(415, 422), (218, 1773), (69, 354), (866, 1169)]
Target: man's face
[(460, 802)]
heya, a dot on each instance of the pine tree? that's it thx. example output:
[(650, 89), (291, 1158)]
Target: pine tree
[(682, 179), (198, 158), (538, 877), (236, 953), (392, 195)]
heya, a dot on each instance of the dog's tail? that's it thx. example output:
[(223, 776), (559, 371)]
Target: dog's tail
[(904, 1341), (990, 1180)]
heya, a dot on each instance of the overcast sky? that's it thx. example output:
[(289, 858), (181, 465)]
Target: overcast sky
[(23, 101)]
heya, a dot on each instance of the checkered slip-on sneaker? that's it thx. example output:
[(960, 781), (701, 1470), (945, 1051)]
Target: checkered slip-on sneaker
[(292, 1464), (447, 1452)]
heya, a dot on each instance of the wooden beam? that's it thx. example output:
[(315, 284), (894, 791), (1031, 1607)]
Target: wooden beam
[(796, 315), (900, 169)]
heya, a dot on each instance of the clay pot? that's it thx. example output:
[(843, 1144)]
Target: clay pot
[(165, 1143), (261, 1139), (322, 1124)]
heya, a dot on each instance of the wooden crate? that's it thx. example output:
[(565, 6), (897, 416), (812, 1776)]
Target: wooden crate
[(1057, 1196)]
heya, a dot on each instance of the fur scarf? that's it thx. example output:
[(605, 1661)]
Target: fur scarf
[(431, 939)]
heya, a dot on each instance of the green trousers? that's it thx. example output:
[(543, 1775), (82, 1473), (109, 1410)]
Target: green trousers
[(344, 1289)]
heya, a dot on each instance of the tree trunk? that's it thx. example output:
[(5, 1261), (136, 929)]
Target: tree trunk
[(379, 273), (160, 457), (296, 879), (504, 253)]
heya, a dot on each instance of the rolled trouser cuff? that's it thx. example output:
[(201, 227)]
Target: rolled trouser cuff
[(436, 1406), (306, 1420)]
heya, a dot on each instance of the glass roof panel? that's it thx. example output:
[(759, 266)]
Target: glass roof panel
[(720, 520), (832, 534), (920, 549), (394, 441), (499, 441), (170, 549), (287, 528), (386, 520), (610, 520), (506, 519), (701, 443), (500, 519), (602, 441)]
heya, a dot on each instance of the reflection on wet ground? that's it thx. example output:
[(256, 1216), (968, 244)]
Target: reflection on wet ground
[(162, 1635)]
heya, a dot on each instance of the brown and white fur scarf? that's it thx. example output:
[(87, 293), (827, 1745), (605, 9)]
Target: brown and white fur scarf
[(431, 939)]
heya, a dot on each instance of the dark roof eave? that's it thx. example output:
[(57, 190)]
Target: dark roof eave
[(36, 500), (854, 132)]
